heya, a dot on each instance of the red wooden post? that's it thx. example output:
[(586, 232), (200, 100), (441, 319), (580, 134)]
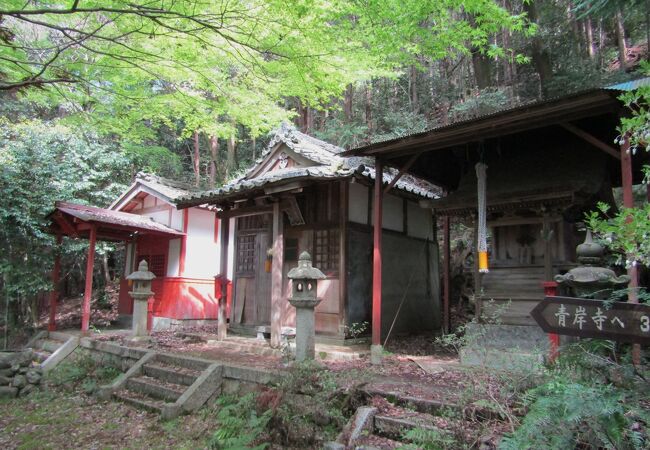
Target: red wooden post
[(628, 202), (88, 290), (221, 282), (446, 282), (54, 294), (376, 255), (550, 290), (277, 291)]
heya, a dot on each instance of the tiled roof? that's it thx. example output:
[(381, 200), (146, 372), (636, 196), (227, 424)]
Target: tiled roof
[(166, 187), (332, 165), (111, 217)]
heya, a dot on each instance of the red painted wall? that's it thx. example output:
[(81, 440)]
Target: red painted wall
[(184, 298)]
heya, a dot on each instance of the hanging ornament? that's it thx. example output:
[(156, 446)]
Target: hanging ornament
[(481, 174)]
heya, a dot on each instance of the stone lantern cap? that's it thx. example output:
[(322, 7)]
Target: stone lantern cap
[(589, 278), (305, 271), (142, 274)]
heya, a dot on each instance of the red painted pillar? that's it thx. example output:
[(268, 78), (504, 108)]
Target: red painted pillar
[(628, 202), (88, 290), (550, 290), (54, 294), (446, 267), (376, 254)]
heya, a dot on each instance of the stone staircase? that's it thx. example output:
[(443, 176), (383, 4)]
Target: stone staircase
[(51, 347), (371, 427), (164, 383)]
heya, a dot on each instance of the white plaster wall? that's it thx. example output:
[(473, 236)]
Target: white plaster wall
[(177, 219), (161, 217), (173, 257), (420, 221), (392, 214), (201, 256), (358, 204)]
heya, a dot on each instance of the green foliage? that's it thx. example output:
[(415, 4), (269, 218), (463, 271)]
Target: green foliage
[(427, 439), (43, 162), (588, 399), (81, 370), (637, 125), (154, 159), (626, 233), (239, 424)]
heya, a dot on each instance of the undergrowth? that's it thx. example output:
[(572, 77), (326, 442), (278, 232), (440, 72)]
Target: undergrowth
[(239, 424), (593, 397), (81, 371)]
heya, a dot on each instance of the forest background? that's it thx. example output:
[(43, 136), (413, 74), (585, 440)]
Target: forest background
[(91, 92)]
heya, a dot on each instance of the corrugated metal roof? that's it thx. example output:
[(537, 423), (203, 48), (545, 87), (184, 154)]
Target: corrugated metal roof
[(630, 85), (626, 86), (111, 217)]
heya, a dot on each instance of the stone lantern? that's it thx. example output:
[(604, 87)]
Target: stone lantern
[(303, 298), (141, 293), (589, 279)]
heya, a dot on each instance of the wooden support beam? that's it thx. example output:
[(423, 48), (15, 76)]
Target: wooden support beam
[(402, 171), (376, 254), (54, 293), (88, 289), (245, 211), (67, 226), (611, 151), (446, 274), (628, 202), (221, 318), (276, 277)]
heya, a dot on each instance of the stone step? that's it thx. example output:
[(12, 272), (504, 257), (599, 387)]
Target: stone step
[(171, 374), (41, 355), (140, 401), (49, 345), (58, 336), (395, 425), (185, 362), (155, 388)]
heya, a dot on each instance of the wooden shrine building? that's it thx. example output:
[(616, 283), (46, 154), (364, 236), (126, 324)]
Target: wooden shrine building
[(548, 163), (303, 195)]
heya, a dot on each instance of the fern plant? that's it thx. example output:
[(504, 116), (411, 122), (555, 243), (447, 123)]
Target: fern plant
[(564, 414), (239, 424)]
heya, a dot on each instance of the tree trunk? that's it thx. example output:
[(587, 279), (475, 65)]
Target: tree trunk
[(106, 270), (214, 154), (413, 85), (196, 165), (591, 45), (231, 160), (254, 150), (309, 120), (539, 54), (620, 40), (482, 70), (368, 107), (347, 103)]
